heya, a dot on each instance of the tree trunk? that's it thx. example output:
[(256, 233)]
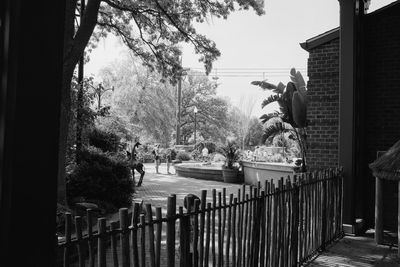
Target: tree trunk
[(73, 49)]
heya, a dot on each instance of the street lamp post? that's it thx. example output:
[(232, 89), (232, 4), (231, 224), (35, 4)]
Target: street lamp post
[(195, 124)]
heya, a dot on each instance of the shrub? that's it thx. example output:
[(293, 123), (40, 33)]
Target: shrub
[(211, 146), (275, 158), (101, 177), (106, 141), (217, 157), (183, 155)]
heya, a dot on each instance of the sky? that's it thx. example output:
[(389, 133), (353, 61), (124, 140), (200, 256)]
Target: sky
[(252, 47)]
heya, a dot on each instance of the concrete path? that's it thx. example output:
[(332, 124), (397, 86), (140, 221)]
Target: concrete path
[(156, 188)]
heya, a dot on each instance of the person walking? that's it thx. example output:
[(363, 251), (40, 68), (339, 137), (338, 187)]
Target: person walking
[(136, 165), (204, 153), (168, 158), (157, 159)]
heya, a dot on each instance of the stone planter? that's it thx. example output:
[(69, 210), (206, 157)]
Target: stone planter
[(261, 171), (231, 176)]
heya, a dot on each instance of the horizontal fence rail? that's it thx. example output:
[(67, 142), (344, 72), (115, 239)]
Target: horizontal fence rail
[(274, 224)]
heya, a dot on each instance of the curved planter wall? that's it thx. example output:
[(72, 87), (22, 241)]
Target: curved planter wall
[(261, 171), (199, 172)]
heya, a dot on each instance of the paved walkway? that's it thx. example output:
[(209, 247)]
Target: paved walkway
[(156, 188), (359, 251)]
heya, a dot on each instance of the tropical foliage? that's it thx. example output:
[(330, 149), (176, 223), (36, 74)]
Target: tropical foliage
[(292, 115), (231, 152)]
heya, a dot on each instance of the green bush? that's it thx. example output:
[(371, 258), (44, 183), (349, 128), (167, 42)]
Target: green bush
[(183, 156), (101, 177), (106, 141), (211, 146)]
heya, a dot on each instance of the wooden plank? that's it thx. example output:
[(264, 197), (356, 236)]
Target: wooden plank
[(101, 246), (171, 212), (68, 230), (135, 222), (207, 248), (89, 221), (78, 231), (114, 227), (123, 218), (202, 224), (158, 236), (143, 240), (149, 213)]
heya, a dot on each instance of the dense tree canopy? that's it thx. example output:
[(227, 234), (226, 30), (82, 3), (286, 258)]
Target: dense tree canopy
[(152, 29)]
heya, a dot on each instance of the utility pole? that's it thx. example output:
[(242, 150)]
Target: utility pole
[(79, 97), (178, 115)]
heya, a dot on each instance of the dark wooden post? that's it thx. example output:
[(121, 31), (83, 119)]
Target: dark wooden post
[(378, 211), (30, 93)]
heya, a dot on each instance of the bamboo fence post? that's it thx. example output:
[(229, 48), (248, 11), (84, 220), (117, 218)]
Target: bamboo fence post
[(239, 236), (268, 216), (245, 231), (101, 246), (323, 230), (254, 228), (220, 241), (123, 217), (171, 212), (262, 225), (196, 233), (78, 231), (228, 235), (184, 233), (223, 224), (279, 222), (158, 236), (295, 232), (288, 222), (234, 232), (249, 235), (202, 224), (149, 213), (207, 250), (214, 206), (114, 227), (135, 221), (68, 228), (143, 240), (274, 232), (89, 217), (242, 228)]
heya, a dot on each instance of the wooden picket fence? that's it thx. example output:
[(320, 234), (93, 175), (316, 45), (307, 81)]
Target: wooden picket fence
[(283, 224)]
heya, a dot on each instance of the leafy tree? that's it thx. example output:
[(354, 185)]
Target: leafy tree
[(198, 91), (151, 29), (254, 134), (292, 114)]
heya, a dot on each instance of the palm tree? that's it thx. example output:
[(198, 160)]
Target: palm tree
[(292, 114)]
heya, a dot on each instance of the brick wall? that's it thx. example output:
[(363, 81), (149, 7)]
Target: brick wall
[(323, 108), (382, 107)]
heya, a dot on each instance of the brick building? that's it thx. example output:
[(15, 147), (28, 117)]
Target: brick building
[(377, 104)]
